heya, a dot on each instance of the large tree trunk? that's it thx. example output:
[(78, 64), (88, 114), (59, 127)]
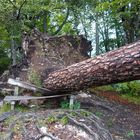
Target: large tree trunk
[(113, 67), (62, 63)]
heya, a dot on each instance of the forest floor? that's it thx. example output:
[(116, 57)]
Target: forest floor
[(102, 115), (120, 116)]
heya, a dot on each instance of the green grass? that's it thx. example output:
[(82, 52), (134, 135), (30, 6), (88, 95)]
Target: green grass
[(127, 90), (64, 120), (132, 99), (102, 88), (5, 108)]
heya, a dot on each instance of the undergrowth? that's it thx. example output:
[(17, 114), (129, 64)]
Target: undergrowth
[(6, 107), (127, 90), (65, 105)]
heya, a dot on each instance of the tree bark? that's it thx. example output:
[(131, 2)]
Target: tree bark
[(62, 63), (112, 67)]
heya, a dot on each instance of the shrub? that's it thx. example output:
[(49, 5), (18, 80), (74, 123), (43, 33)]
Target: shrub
[(65, 105), (131, 88)]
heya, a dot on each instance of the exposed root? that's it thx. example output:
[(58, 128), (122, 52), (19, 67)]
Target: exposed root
[(84, 127), (29, 125), (95, 101), (96, 122)]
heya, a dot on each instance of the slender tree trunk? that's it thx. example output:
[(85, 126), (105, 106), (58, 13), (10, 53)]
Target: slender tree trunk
[(13, 52), (112, 67), (13, 49), (45, 22), (97, 35)]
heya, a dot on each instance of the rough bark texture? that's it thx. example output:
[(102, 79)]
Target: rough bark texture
[(113, 67)]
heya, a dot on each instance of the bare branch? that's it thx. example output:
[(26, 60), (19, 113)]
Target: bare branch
[(12, 3), (19, 11), (61, 26)]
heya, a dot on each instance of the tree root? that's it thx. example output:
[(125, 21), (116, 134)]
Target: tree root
[(89, 124), (96, 101), (104, 133), (42, 135), (84, 127)]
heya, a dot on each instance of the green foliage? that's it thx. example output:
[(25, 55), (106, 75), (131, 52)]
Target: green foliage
[(5, 108), (21, 108), (85, 113), (76, 105), (127, 90), (130, 91), (130, 134), (132, 99), (64, 120), (73, 114), (4, 59), (51, 119), (50, 15), (65, 105), (131, 88), (4, 64), (16, 128)]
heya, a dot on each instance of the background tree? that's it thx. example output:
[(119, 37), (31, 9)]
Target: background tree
[(109, 24)]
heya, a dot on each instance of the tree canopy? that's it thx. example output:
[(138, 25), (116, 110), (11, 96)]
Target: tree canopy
[(108, 23)]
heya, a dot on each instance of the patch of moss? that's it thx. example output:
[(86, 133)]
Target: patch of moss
[(85, 113), (73, 114), (51, 119), (64, 120), (21, 108), (5, 108)]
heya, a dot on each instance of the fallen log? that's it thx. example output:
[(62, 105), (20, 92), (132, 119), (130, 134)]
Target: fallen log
[(116, 66), (62, 64), (43, 55)]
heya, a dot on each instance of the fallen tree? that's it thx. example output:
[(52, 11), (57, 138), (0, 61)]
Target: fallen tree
[(116, 66), (62, 64)]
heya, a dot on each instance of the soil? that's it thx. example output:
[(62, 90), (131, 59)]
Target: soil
[(122, 120), (110, 117)]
